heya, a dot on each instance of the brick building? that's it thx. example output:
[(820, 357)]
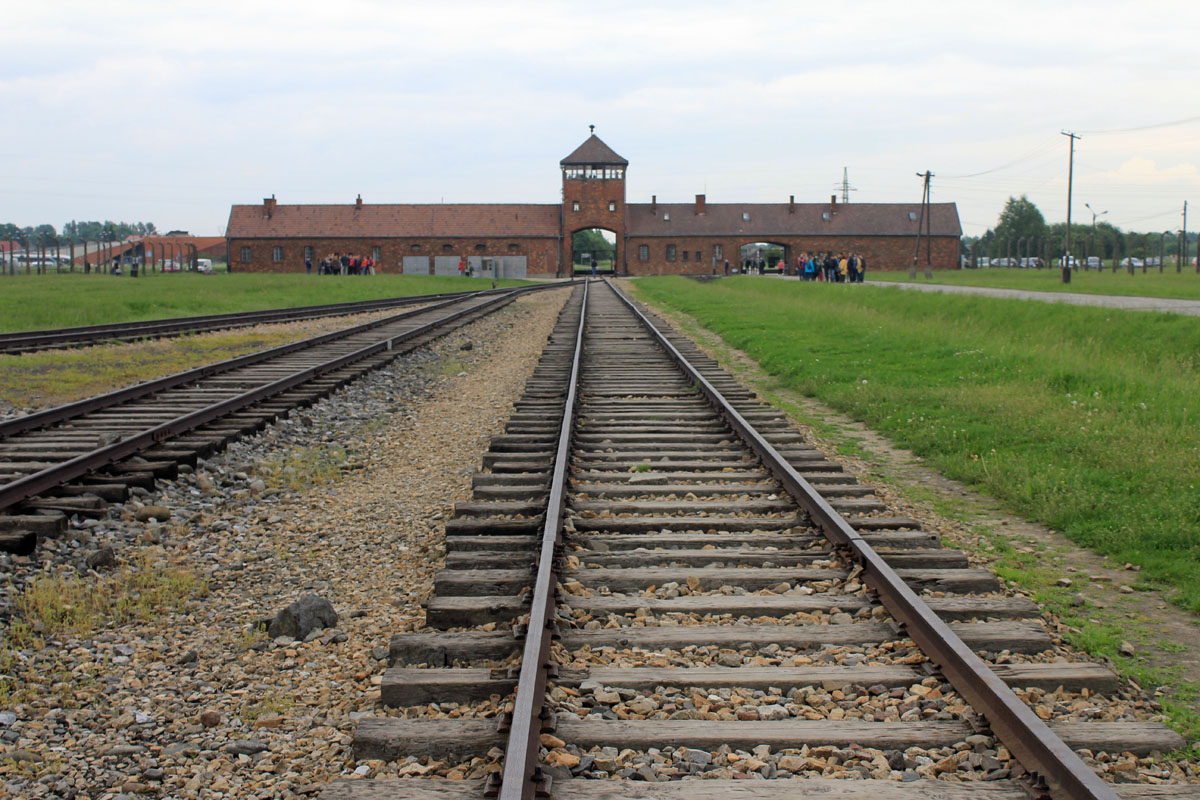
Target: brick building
[(515, 240)]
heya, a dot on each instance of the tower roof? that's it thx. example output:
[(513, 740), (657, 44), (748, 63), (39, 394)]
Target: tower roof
[(593, 152)]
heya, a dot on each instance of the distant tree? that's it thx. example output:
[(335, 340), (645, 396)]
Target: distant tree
[(1020, 218), (591, 241)]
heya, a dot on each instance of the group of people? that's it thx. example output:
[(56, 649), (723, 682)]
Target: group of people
[(342, 264), (841, 268)]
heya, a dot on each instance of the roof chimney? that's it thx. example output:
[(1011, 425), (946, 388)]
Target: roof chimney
[(833, 203), (268, 206), (791, 204), (653, 204), (358, 202), (701, 207)]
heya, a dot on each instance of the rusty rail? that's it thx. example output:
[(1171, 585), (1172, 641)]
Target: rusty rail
[(522, 776), (38, 482), (1037, 748)]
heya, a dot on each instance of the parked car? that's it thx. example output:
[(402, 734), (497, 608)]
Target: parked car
[(1093, 262), (169, 265), (1132, 262), (1153, 261), (1004, 262), (204, 265), (1069, 261)]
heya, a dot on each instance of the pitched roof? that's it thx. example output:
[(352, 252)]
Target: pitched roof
[(768, 219), (385, 221), (593, 151)]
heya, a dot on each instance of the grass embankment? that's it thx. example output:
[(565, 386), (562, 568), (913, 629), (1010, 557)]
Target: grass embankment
[(68, 300), (1084, 419), (1169, 283)]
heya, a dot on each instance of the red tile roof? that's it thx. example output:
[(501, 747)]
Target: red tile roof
[(383, 221), (768, 219)]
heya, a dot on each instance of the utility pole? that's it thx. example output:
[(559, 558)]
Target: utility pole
[(924, 218), (1066, 264), (1183, 247)]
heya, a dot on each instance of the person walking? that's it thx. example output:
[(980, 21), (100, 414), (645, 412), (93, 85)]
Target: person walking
[(727, 267), (308, 265), (593, 266)]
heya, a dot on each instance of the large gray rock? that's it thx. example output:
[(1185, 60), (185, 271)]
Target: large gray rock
[(306, 614)]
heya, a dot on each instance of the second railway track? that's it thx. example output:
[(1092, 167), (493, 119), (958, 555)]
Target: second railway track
[(73, 459), (658, 579)]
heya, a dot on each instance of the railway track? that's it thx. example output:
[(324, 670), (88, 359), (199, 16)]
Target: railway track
[(657, 578), (77, 458), (59, 338)]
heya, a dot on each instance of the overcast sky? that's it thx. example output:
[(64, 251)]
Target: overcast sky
[(172, 112)]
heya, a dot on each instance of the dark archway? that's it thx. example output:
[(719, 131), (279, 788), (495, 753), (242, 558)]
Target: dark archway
[(594, 244), (764, 257)]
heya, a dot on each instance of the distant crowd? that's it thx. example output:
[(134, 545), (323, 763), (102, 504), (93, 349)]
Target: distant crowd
[(342, 264), (840, 268)]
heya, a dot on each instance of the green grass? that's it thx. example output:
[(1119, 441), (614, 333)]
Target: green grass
[(1170, 284), (1081, 418), (59, 301)]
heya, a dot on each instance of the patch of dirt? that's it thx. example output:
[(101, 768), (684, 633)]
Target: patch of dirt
[(1166, 638)]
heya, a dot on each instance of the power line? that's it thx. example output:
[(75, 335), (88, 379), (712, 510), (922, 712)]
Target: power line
[(1035, 151), (1146, 127)]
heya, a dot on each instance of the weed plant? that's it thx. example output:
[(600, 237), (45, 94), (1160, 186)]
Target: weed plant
[(1084, 419)]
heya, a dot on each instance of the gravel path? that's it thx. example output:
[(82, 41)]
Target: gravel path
[(1161, 304), (196, 703)]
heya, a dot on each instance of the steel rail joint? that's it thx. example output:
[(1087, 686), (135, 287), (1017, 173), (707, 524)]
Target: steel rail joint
[(32, 485), (1034, 745), (521, 773)]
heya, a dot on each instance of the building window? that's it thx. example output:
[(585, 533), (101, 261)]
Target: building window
[(277, 254), (643, 252), (416, 248), (718, 251), (685, 255), (446, 248), (699, 255), (479, 248), (666, 216), (575, 205), (745, 216), (308, 253), (825, 216), (670, 252), (375, 253), (612, 205), (513, 248), (912, 216), (245, 254)]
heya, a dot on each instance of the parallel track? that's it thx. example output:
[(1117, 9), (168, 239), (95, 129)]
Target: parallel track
[(664, 544), (58, 338), (75, 458)]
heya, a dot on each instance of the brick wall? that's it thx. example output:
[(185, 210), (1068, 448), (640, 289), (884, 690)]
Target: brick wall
[(881, 252), (593, 196), (542, 253)]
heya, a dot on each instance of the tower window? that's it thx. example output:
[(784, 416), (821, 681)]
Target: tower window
[(575, 206), (612, 205), (670, 252)]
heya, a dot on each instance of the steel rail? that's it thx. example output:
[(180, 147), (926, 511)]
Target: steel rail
[(1037, 748), (51, 416), (522, 776), (38, 482), (26, 341)]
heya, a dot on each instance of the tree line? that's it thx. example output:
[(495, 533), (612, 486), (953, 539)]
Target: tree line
[(75, 231), (1022, 230)]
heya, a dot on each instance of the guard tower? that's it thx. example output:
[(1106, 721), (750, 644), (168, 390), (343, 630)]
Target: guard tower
[(594, 196)]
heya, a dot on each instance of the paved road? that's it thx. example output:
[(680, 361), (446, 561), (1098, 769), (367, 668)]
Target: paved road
[(1190, 307)]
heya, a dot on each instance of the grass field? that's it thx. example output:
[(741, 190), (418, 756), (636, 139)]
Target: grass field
[(1082, 418), (1169, 283), (67, 300)]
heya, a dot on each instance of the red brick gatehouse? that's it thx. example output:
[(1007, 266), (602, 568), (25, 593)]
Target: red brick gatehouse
[(519, 239)]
